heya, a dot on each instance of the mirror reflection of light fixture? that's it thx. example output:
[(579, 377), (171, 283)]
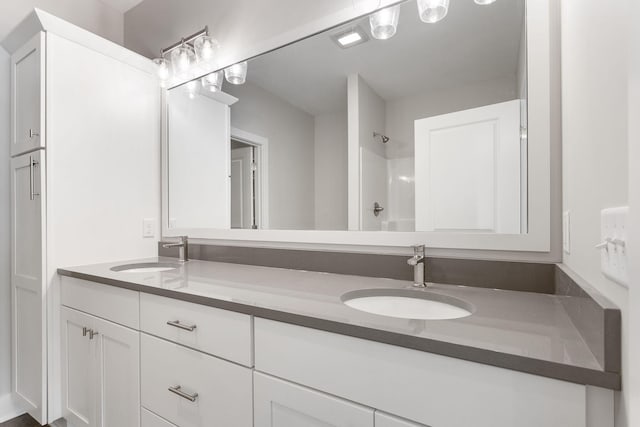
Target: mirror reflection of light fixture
[(384, 22), (432, 11), (213, 82), (236, 74), (484, 2), (192, 88), (206, 47)]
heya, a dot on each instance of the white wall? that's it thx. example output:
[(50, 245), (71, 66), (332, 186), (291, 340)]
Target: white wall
[(290, 132), (5, 244), (93, 15), (401, 113), (330, 168), (595, 149), (373, 165), (633, 377)]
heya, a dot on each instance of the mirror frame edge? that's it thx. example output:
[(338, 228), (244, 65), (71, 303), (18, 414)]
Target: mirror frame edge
[(541, 19)]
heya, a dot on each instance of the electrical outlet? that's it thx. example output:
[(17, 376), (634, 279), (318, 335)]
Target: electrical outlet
[(566, 232), (149, 227)]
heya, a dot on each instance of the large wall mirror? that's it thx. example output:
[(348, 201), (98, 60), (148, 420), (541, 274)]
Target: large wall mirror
[(385, 124)]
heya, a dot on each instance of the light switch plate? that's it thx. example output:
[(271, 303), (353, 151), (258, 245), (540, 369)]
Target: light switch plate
[(566, 232), (149, 227), (613, 234)]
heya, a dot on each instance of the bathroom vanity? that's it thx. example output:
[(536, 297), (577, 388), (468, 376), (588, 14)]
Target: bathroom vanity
[(207, 343)]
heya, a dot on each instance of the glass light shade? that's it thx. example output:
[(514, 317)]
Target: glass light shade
[(432, 11), (206, 48), (237, 73), (384, 23), (213, 82), (484, 2), (162, 71), (182, 57), (192, 88)]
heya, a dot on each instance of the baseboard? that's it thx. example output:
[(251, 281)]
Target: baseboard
[(60, 423), (10, 407)]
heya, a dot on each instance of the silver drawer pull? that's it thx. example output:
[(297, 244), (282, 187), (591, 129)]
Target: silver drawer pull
[(177, 324), (33, 133), (178, 390)]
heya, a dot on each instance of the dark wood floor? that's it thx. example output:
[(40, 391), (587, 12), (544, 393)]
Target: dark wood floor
[(22, 421)]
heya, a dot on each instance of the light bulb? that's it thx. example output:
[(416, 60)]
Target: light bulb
[(432, 11), (192, 88), (162, 69), (384, 22), (213, 81), (237, 73), (206, 48), (182, 57), (484, 2)]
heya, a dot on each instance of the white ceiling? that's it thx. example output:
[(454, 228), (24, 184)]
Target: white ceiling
[(94, 15), (472, 44), (122, 6)]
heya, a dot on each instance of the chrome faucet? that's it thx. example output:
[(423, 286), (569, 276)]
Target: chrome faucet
[(183, 244), (418, 262)]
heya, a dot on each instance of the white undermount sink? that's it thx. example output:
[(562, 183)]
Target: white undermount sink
[(146, 267), (408, 304)]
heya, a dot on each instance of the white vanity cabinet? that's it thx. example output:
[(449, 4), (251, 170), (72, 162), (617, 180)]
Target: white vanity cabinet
[(278, 403), (82, 107), (28, 290), (101, 373), (27, 95), (275, 374)]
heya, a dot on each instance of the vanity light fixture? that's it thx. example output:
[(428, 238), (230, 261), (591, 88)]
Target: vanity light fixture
[(432, 11), (236, 74), (484, 2), (179, 58), (351, 37), (213, 82), (384, 23)]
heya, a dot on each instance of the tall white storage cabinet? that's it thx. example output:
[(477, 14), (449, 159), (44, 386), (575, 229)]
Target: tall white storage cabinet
[(85, 173)]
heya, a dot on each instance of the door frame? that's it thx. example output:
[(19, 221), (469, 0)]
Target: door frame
[(261, 157)]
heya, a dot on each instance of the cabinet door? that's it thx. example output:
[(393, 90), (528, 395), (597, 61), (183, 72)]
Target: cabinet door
[(27, 95), (118, 367), (386, 420), (278, 403), (78, 368), (27, 283)]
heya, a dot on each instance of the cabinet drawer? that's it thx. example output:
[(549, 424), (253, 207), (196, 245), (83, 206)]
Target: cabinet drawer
[(424, 387), (109, 302), (281, 404), (219, 332), (206, 391), (149, 419)]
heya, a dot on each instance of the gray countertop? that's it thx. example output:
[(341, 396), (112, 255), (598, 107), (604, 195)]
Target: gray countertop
[(527, 332)]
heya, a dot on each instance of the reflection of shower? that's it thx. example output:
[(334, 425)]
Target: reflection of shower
[(384, 138)]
